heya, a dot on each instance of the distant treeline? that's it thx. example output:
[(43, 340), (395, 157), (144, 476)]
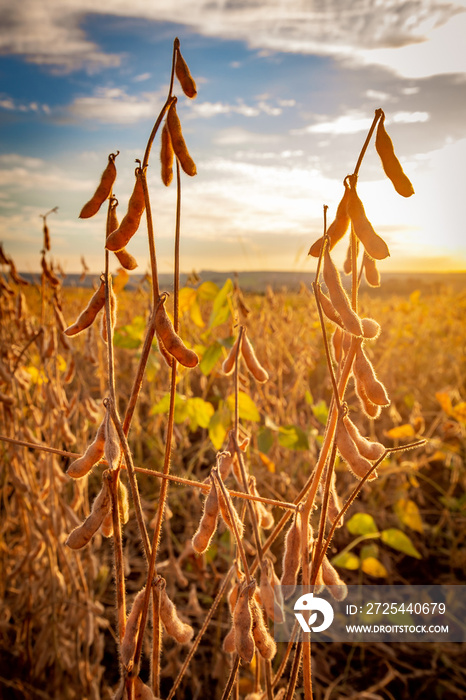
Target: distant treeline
[(256, 282)]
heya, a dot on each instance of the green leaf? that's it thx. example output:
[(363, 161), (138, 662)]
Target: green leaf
[(346, 560), (210, 358), (247, 407), (199, 412), (320, 411), (207, 291), (265, 440), (131, 335), (361, 524), (195, 314), (218, 426), (187, 297), (221, 308), (293, 437), (308, 398), (163, 407), (399, 540)]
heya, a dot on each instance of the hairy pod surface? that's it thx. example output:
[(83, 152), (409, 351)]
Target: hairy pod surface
[(365, 374), (229, 645), (176, 628), (81, 535), (113, 316), (369, 449), (292, 555), (242, 624), (371, 272), (262, 637), (390, 163), (371, 409), (119, 239), (171, 340), (178, 142), (229, 363), (128, 644), (271, 602), (166, 156), (103, 190), (373, 244), (93, 454), (88, 316), (184, 76), (337, 228), (331, 578), (264, 518), (208, 523), (370, 328), (228, 511), (357, 464), (254, 366), (339, 298)]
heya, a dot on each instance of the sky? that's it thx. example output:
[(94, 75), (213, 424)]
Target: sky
[(287, 90)]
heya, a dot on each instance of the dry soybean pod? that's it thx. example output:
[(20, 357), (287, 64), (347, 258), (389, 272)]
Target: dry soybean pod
[(242, 623), (81, 535), (164, 352), (171, 341), (125, 259), (265, 519), (331, 578), (371, 409), (329, 309), (365, 373), (228, 510), (374, 245), (358, 464), (262, 637), (338, 296), (93, 454), (176, 628), (113, 315), (103, 190), (46, 236), (112, 443), (166, 156), (178, 142), (87, 317), (369, 449), (128, 644), (254, 366), (390, 162), (130, 223), (184, 76), (229, 363), (292, 556), (337, 228), (269, 600), (371, 272), (208, 523), (371, 329)]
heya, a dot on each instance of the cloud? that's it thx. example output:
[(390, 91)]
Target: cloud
[(355, 122), (409, 36), (110, 105), (213, 109), (11, 105)]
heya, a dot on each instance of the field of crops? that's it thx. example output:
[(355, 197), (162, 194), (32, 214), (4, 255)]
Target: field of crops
[(61, 607)]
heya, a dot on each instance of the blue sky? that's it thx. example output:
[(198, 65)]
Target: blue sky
[(286, 92)]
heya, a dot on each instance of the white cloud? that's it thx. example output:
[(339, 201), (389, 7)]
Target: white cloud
[(213, 109), (11, 105), (355, 122), (415, 38), (114, 106)]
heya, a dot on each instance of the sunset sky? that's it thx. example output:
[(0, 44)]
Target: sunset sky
[(286, 93)]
